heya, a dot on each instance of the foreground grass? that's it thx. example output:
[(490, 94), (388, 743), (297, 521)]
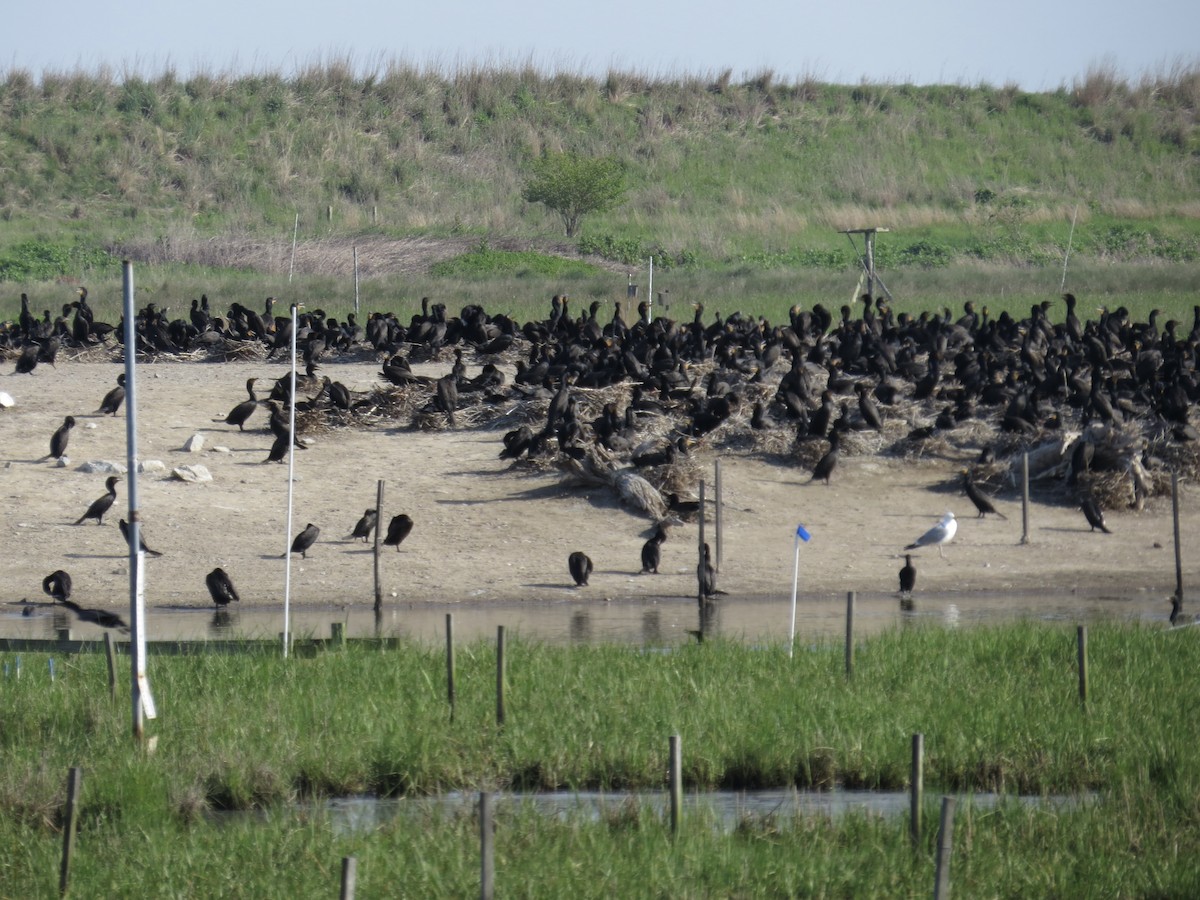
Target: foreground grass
[(998, 709)]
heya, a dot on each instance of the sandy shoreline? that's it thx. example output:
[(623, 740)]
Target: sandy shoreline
[(486, 529)]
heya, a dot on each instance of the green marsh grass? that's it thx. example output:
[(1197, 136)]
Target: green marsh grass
[(998, 708)]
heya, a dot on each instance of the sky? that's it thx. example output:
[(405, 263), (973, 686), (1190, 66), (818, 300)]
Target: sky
[(1034, 44)]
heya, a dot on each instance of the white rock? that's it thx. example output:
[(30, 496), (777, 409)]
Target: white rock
[(194, 444), (62, 462), (221, 450), (148, 466), (6, 400), (103, 467), (192, 474)]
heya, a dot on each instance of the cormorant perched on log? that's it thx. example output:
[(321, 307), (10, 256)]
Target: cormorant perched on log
[(398, 530), (58, 440), (982, 502), (581, 568), (240, 413), (101, 505), (365, 525), (220, 587), (1093, 513), (58, 585), (100, 617), (908, 575), (652, 551), (141, 539), (113, 399), (305, 539)]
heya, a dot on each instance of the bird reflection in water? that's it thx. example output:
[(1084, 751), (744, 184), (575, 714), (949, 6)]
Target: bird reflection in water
[(581, 627), (652, 627), (222, 623)]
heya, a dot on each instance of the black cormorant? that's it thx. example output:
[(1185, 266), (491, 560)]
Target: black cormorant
[(982, 502), (220, 587), (305, 539), (652, 551), (908, 575), (58, 585), (58, 440), (398, 530), (100, 617), (240, 413), (365, 525), (581, 568), (826, 464), (101, 505), (141, 538), (113, 399), (1093, 513)]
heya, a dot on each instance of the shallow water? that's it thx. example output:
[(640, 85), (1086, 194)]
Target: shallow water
[(664, 622), (725, 809)]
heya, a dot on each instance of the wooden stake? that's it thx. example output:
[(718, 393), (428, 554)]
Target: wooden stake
[(1175, 521), (1083, 665), (1024, 498), (450, 662), (112, 664), (74, 780), (700, 550), (719, 504), (378, 528), (849, 633), (941, 884), (349, 876), (675, 773), (487, 859), (499, 674), (917, 788)]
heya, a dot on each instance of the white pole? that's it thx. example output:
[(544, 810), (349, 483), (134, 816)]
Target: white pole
[(142, 702), (650, 290), (287, 569), (356, 279), (295, 232), (1067, 255), (801, 535)]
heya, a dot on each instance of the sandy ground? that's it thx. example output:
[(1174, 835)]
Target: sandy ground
[(486, 529)]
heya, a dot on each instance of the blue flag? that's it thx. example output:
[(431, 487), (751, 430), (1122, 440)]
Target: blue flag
[(802, 533)]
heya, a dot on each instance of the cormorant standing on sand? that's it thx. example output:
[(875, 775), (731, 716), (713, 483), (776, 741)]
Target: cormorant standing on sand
[(220, 587), (398, 530), (58, 585), (28, 360), (581, 568), (652, 551), (1093, 513), (982, 502), (305, 539), (365, 525), (101, 505), (113, 399), (58, 440), (141, 540), (826, 464), (240, 413)]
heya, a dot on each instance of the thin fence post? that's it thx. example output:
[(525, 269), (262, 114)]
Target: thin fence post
[(700, 550), (109, 654), (917, 791), (349, 877), (941, 884), (74, 779), (675, 774), (1024, 498), (450, 662), (499, 674), (337, 634), (719, 504), (1081, 636), (378, 528), (487, 858), (1175, 522), (850, 597)]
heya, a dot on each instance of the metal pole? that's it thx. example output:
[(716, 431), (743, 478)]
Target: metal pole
[(717, 479), (870, 242), (287, 547), (650, 291), (1175, 521), (700, 549), (1024, 498), (675, 773), (1071, 237), (137, 645), (295, 233), (356, 279), (378, 528)]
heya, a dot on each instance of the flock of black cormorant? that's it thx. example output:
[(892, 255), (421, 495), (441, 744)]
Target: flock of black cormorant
[(906, 378)]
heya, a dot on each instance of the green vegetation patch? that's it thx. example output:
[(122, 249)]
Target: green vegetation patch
[(44, 261), (484, 262)]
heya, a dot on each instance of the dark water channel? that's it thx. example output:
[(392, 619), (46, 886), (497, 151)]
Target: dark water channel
[(661, 623)]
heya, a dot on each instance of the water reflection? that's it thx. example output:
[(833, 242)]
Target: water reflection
[(669, 621), (726, 810)]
